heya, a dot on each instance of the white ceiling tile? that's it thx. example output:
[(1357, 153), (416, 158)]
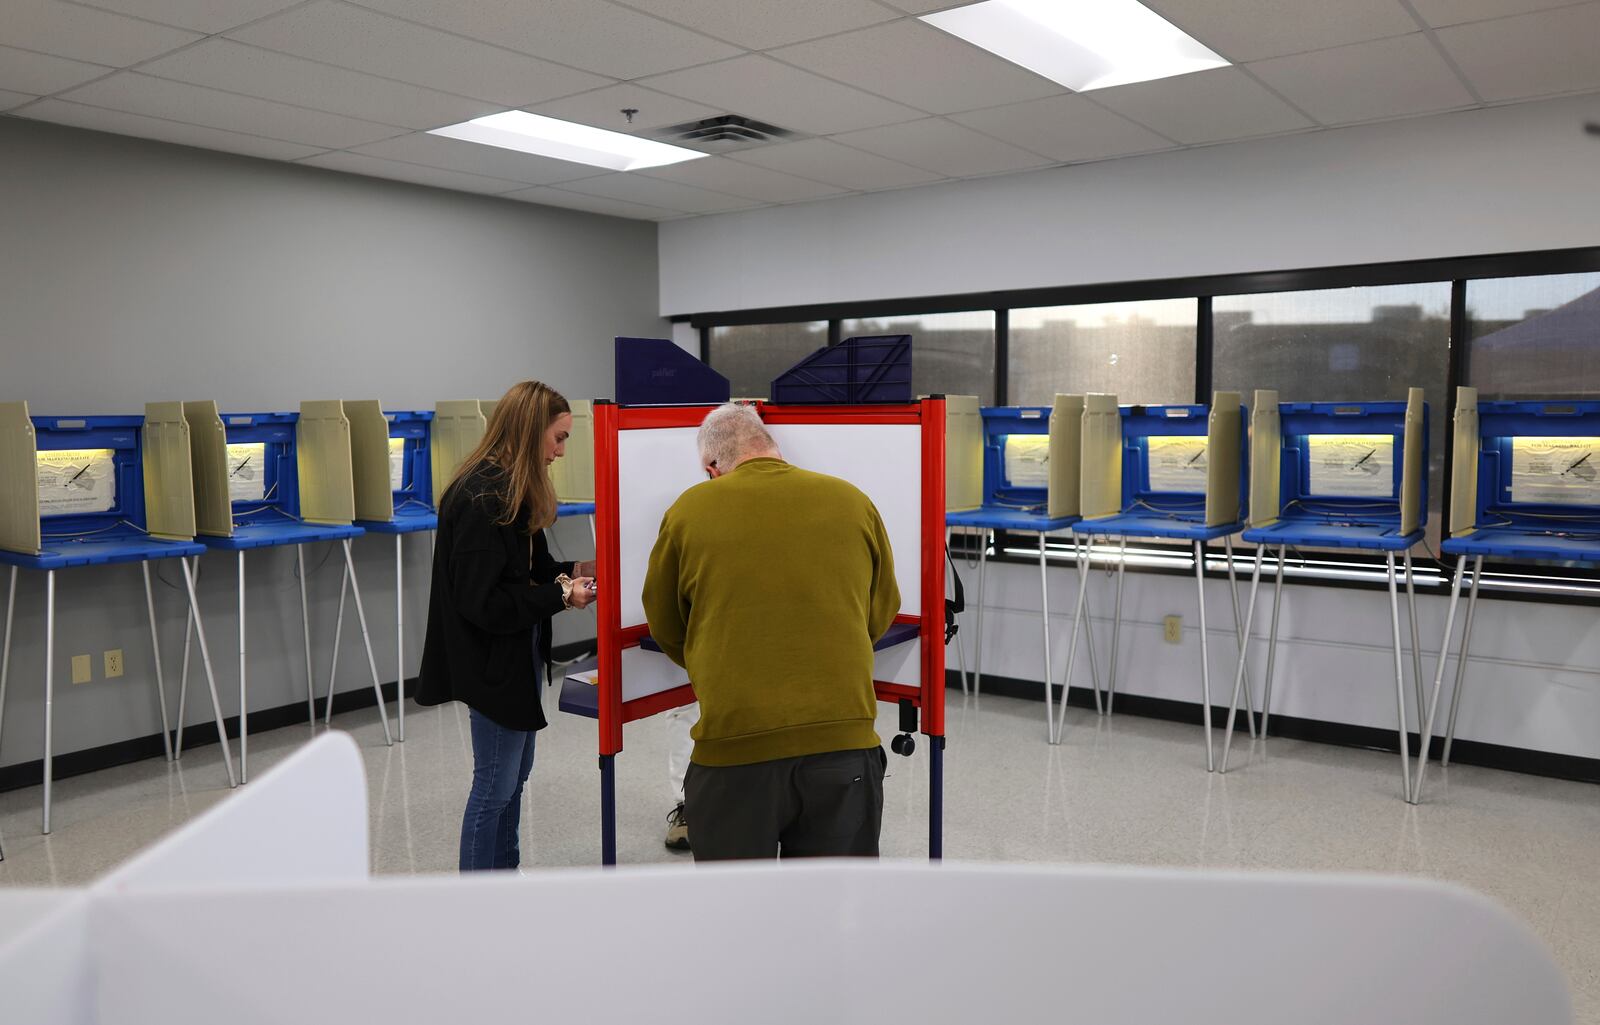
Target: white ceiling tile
[(935, 144), (1383, 78), (42, 74), (547, 196), (208, 16), (1065, 128), (1249, 30), (10, 99), (484, 161), (826, 161), (1207, 106), (354, 37), (373, 167), (224, 64), (1440, 13), (916, 64), (762, 88), (723, 175), (1530, 55), (192, 104), (760, 26), (633, 188), (78, 116), (603, 109), (588, 34), (86, 34)]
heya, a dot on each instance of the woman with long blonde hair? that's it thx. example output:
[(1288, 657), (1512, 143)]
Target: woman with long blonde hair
[(495, 590)]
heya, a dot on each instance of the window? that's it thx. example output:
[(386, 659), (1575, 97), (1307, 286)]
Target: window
[(751, 355), (1142, 352), (951, 353), (1343, 345), (1534, 337)]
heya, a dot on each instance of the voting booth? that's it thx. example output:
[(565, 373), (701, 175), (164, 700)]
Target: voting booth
[(1173, 472), (96, 491), (265, 480), (1525, 486), (1015, 468), (273, 884), (646, 456), (1347, 475)]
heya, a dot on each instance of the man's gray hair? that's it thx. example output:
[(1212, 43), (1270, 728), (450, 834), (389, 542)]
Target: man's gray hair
[(731, 433)]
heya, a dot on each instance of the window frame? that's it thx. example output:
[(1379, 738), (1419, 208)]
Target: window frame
[(1520, 581)]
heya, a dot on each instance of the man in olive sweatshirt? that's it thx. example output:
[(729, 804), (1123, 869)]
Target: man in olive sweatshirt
[(769, 584)]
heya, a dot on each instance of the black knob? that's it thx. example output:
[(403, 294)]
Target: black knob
[(903, 744)]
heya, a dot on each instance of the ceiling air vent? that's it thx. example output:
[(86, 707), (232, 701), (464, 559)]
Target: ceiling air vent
[(724, 133)]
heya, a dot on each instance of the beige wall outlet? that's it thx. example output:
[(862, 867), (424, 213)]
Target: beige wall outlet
[(1172, 629), (113, 660), (82, 669)]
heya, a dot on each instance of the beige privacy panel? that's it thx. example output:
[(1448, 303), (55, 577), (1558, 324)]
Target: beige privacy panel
[(1101, 454), (1414, 466), (208, 449), (369, 459), (1223, 442), (1266, 458), (322, 444), (458, 426), (573, 473), (1066, 457), (19, 481), (168, 473), (963, 453), (1464, 464)]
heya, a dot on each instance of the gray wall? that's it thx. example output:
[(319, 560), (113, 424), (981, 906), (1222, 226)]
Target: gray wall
[(133, 271)]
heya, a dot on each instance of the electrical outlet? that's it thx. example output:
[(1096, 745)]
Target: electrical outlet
[(113, 659), (1172, 629), (82, 669)]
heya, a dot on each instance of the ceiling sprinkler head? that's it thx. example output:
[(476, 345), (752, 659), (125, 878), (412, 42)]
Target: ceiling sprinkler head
[(628, 113)]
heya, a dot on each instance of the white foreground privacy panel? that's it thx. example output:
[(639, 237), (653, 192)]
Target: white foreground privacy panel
[(259, 934)]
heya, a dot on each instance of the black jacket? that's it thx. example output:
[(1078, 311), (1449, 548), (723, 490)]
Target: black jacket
[(488, 595)]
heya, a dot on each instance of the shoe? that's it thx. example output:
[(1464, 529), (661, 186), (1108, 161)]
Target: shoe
[(677, 829)]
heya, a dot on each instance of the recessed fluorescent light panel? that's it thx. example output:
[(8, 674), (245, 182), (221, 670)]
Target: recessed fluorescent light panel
[(564, 140), (1083, 44)]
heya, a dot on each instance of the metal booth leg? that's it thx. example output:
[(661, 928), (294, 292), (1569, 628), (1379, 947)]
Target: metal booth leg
[(1088, 633), (244, 685), (1272, 643), (1438, 681), (205, 661), (1072, 654), (936, 797), (1461, 663), (961, 654), (1416, 643), (49, 690), (1241, 637), (1239, 673), (183, 678), (1044, 615), (305, 632), (608, 810), (155, 648), (400, 635), (1116, 626), (977, 643), (1399, 678), (5, 652), (338, 635), (1205, 653), (366, 640)]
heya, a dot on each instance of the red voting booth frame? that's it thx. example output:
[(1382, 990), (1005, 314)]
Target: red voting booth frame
[(612, 637)]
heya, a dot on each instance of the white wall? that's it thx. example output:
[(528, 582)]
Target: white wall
[(133, 271), (1500, 180), (1489, 181)]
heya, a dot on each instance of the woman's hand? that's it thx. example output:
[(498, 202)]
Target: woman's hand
[(582, 595), (586, 569)]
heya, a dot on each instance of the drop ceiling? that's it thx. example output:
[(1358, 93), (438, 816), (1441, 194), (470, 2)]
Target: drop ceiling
[(877, 99)]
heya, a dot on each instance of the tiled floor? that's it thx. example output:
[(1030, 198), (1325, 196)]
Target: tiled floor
[(1124, 790)]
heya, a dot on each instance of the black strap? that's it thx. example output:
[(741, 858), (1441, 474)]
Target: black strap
[(953, 607)]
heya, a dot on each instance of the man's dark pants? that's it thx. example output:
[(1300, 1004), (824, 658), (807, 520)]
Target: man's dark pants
[(814, 806)]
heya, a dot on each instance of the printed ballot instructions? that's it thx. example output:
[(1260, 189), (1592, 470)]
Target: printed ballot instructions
[(1028, 460), (1351, 465), (1558, 471), (79, 480), (247, 472), (397, 463), (1178, 463)]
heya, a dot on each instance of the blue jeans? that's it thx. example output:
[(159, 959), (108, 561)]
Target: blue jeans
[(501, 761)]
